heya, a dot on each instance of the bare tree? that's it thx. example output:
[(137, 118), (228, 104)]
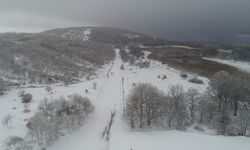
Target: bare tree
[(144, 104), (239, 92), (220, 88), (192, 98), (177, 96)]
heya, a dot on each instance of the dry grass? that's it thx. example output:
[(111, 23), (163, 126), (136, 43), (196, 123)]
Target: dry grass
[(191, 61)]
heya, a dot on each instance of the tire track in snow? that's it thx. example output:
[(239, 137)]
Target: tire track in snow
[(113, 99)]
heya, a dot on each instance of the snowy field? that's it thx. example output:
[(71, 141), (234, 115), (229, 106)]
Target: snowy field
[(107, 98), (244, 66)]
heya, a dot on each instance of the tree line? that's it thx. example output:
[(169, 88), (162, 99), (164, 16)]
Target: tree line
[(224, 106)]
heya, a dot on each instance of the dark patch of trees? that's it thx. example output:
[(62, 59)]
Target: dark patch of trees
[(224, 107)]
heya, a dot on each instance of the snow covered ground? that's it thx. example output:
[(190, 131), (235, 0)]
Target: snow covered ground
[(244, 66), (107, 98)]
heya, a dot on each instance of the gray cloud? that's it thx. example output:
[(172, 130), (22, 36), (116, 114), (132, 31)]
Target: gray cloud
[(174, 19)]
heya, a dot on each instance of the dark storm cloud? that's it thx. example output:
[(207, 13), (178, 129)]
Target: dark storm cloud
[(177, 19)]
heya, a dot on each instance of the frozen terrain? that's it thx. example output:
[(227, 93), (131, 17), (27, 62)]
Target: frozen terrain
[(107, 99), (244, 66)]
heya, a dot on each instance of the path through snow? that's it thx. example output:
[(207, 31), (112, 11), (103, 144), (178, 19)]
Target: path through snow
[(107, 101)]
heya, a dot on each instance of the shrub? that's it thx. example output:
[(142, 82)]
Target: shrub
[(122, 67), (198, 128), (164, 77), (184, 75), (27, 98), (94, 85), (195, 80), (88, 77)]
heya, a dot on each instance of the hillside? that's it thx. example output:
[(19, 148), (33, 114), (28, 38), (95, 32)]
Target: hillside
[(43, 58), (108, 35), (62, 55), (67, 54)]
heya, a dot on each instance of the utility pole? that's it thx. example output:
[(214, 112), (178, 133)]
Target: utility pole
[(123, 99)]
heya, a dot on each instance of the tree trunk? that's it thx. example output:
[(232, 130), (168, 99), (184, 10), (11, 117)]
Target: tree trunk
[(149, 122), (235, 107)]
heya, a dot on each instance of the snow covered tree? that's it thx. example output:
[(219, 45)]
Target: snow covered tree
[(220, 88), (240, 124), (57, 117), (178, 112), (144, 105), (192, 97)]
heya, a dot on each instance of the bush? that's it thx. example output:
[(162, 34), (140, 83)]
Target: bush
[(184, 75), (94, 85), (122, 67), (27, 98), (195, 80), (198, 128), (164, 77)]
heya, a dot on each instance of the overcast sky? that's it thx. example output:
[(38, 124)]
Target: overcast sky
[(172, 19)]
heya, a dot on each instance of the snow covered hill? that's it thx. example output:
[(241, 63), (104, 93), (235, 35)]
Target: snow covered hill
[(108, 100)]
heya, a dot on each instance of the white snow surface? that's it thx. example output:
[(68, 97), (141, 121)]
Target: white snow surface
[(109, 97), (242, 65)]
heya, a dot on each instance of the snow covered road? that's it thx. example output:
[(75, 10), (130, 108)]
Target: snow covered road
[(107, 101)]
